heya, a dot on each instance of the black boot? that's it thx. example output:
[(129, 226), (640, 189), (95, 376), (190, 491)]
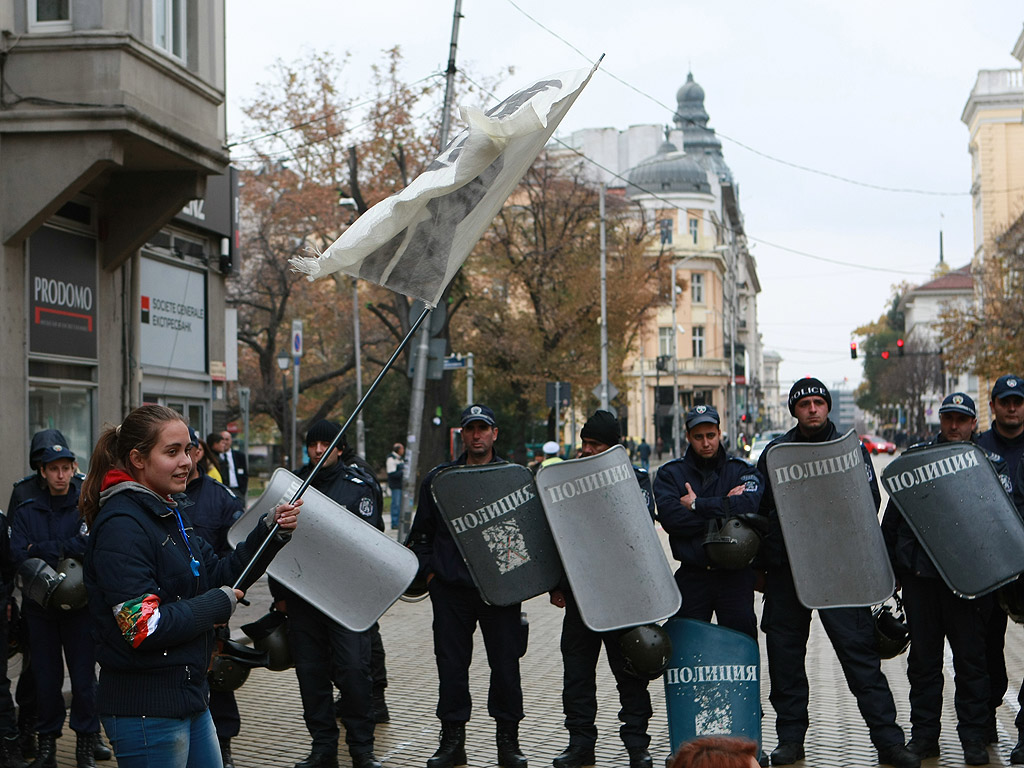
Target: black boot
[(100, 750), (10, 753), (509, 753), (379, 707), (84, 757), (29, 742), (225, 753), (46, 753), (451, 750), (320, 759), (1017, 754)]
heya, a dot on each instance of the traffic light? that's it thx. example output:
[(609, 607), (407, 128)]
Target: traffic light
[(853, 350), (899, 347), (885, 354)]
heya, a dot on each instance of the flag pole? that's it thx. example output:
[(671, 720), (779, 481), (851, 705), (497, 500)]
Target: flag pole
[(334, 443)]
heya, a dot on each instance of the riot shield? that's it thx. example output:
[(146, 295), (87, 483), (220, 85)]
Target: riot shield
[(611, 553), (713, 683), (339, 563), (951, 497), (498, 524), (830, 523)]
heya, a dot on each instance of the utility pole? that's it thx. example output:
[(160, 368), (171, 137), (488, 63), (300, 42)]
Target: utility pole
[(604, 309), (419, 385), (675, 368), (360, 424)]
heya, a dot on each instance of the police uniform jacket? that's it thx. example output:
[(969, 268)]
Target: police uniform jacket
[(711, 480), (430, 538), (905, 551), (213, 508), (1012, 451), (153, 612), (50, 528), (772, 553)]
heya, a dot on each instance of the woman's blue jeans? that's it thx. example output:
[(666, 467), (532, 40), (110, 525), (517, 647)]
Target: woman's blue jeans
[(163, 742)]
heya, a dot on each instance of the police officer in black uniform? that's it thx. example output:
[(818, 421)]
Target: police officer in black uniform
[(1004, 437), (458, 608), (702, 489), (213, 508), (581, 647), (935, 614), (786, 622), (322, 649)]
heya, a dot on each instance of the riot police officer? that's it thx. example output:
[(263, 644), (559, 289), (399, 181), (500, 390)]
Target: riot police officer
[(581, 647), (935, 614), (695, 494), (1004, 437), (786, 622), (458, 607), (321, 648)]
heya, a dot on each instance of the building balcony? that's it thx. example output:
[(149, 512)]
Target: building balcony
[(687, 366)]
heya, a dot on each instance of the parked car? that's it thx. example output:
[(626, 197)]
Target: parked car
[(876, 444), (757, 448)]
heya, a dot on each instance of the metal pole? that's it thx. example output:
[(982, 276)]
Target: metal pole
[(295, 411), (604, 309), (284, 409), (558, 405), (675, 370), (244, 394), (360, 426), (334, 443), (422, 352), (643, 394), (469, 378), (730, 255)]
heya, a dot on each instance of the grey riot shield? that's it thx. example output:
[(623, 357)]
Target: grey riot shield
[(712, 684), (337, 562), (498, 524), (612, 555), (950, 495), (829, 523)]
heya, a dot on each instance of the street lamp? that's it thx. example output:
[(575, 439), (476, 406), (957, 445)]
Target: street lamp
[(283, 361)]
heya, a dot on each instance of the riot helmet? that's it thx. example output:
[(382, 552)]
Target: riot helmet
[(38, 581), (891, 634), (647, 650), (70, 593), (731, 543), (269, 634), (230, 665)]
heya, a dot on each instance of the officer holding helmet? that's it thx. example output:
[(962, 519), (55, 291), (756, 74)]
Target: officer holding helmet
[(50, 528), (935, 615), (786, 621), (695, 495), (581, 647)]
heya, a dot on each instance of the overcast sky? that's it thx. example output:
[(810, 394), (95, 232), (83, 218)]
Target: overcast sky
[(870, 91)]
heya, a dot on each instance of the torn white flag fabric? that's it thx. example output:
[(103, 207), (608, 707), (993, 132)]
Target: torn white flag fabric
[(415, 241)]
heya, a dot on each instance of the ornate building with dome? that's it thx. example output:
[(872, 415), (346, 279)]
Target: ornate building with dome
[(703, 344)]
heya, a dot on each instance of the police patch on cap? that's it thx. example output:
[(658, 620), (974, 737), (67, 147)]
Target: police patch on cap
[(958, 402), (701, 414), (478, 412), (1008, 386)]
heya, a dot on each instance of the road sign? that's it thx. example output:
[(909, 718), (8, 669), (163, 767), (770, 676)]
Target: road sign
[(564, 394), (454, 362), (296, 338), (613, 391)]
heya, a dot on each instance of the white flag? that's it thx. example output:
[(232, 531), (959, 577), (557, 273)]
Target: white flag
[(415, 241)]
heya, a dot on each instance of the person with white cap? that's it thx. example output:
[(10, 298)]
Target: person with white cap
[(550, 449)]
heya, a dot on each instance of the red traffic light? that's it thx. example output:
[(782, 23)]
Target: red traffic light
[(885, 354), (853, 350), (899, 347)]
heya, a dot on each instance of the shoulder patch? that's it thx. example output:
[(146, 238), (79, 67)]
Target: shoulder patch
[(366, 507)]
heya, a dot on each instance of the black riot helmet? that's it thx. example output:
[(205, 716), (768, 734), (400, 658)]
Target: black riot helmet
[(230, 665), (269, 634), (647, 650), (70, 593), (731, 543), (891, 634)]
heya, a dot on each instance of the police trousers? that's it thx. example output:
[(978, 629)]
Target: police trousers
[(786, 624), (935, 614), (326, 652), (457, 610), (581, 648), (728, 594), (52, 633)]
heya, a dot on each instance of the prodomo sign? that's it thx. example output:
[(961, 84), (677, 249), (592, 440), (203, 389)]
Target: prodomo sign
[(62, 294)]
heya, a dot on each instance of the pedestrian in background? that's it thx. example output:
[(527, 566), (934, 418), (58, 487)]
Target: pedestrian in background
[(234, 466), (394, 466)]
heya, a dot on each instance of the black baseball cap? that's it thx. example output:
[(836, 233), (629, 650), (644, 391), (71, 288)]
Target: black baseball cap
[(701, 414), (1008, 386), (477, 412), (959, 402)]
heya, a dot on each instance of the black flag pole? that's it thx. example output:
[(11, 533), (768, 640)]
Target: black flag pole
[(334, 443)]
